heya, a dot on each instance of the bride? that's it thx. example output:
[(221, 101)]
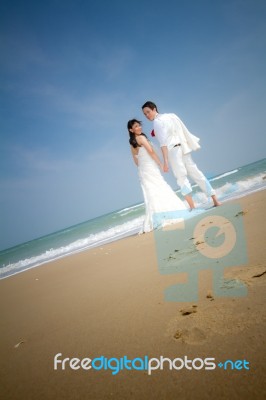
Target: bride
[(158, 195)]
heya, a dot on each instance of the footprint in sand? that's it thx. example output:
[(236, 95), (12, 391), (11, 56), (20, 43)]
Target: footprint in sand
[(249, 274), (209, 295), (190, 336), (259, 275), (189, 310), (187, 332)]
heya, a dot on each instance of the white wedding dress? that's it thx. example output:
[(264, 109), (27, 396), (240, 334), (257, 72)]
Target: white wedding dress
[(158, 195)]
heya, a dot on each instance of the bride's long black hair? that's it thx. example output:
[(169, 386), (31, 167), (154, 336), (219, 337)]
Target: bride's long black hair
[(132, 138)]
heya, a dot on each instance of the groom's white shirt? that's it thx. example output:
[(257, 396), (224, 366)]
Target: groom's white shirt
[(170, 130)]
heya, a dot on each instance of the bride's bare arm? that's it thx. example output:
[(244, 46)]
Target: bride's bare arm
[(144, 142), (134, 153)]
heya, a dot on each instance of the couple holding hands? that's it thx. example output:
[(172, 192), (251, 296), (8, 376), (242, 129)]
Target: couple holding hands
[(176, 143)]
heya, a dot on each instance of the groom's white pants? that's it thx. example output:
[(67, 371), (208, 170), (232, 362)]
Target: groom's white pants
[(183, 166)]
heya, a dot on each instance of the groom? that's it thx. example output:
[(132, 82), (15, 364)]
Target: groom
[(176, 144)]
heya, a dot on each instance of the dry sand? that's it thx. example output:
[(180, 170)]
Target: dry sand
[(109, 301)]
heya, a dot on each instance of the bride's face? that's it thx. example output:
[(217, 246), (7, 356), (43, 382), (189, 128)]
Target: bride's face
[(136, 128)]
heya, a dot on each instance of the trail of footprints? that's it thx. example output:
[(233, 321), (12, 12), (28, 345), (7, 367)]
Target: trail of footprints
[(195, 324)]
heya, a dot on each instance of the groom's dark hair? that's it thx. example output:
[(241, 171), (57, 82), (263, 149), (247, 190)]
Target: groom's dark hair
[(150, 105)]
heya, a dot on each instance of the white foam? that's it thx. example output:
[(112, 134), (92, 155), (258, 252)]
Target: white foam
[(92, 240), (242, 186), (127, 210), (223, 175)]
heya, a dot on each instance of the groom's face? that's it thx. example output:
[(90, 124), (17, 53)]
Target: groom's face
[(149, 113)]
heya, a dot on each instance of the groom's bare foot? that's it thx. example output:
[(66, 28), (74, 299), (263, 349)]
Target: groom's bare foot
[(216, 202), (190, 202)]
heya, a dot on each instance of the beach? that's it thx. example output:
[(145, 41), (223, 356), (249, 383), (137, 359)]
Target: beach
[(109, 301)]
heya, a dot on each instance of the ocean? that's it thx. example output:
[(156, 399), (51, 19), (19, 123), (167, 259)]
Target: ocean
[(121, 223)]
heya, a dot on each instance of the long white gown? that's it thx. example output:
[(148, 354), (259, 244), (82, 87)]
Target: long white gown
[(158, 195)]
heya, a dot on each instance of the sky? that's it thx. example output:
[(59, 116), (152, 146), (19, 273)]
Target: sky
[(73, 72)]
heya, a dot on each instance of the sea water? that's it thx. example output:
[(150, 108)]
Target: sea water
[(121, 223)]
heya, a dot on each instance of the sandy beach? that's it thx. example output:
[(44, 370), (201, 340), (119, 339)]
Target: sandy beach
[(109, 301)]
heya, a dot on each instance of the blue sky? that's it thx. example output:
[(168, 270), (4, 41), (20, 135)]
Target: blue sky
[(73, 72)]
